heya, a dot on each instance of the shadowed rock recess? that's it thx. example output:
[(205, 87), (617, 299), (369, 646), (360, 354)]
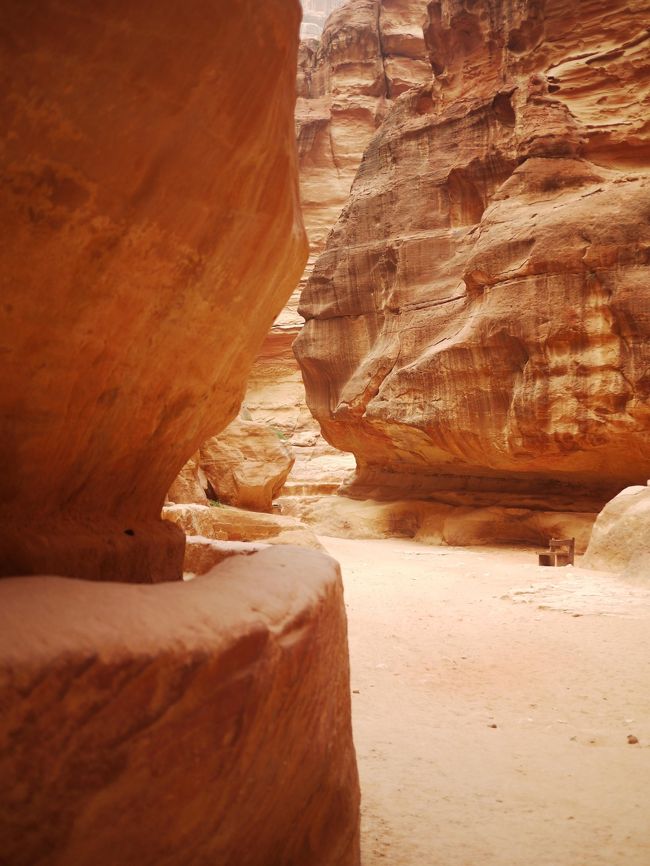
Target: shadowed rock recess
[(150, 231), (478, 326)]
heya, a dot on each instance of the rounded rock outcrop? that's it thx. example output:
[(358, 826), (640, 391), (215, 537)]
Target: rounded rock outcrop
[(149, 223), (479, 321)]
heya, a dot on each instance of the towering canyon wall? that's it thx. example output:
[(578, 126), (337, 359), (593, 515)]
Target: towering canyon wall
[(150, 231), (369, 53), (478, 326), (124, 343)]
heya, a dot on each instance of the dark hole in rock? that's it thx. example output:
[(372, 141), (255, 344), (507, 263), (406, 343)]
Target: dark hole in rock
[(503, 109)]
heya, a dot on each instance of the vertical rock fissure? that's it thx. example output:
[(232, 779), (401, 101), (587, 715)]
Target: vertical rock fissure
[(382, 54)]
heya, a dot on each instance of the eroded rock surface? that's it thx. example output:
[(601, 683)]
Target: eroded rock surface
[(479, 323), (247, 464), (189, 484), (370, 52), (205, 722), (150, 231), (437, 523), (620, 539)]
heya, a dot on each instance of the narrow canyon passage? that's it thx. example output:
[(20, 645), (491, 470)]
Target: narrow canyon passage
[(492, 705)]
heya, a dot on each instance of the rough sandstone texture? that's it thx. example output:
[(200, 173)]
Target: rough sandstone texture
[(479, 323), (189, 484), (222, 523), (246, 465), (369, 53), (435, 522), (620, 539), (148, 206), (202, 723)]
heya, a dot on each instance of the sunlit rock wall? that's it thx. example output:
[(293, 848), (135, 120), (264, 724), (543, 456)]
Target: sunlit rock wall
[(479, 322), (150, 232), (370, 52)]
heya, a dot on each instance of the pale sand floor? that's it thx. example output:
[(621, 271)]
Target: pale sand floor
[(446, 644)]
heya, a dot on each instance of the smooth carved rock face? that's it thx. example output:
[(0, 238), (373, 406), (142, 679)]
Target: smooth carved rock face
[(620, 539), (480, 319), (150, 231), (197, 723)]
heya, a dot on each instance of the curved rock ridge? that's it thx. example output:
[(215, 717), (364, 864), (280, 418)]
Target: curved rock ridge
[(480, 318), (150, 231), (204, 722)]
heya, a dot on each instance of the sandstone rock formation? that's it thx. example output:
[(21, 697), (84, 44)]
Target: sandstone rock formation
[(205, 722), (148, 206), (190, 483), (223, 523), (314, 16), (480, 320), (620, 539), (370, 52), (437, 523), (246, 465), (150, 232)]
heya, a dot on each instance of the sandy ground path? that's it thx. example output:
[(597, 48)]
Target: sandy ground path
[(492, 704)]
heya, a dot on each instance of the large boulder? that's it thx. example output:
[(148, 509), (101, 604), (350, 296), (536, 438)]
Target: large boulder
[(246, 465), (620, 539), (479, 322), (150, 231), (191, 723)]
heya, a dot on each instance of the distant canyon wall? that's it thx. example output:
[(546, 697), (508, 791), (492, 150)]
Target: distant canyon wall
[(369, 53), (479, 321)]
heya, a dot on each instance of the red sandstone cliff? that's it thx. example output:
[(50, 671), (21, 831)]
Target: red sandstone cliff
[(480, 318), (370, 52)]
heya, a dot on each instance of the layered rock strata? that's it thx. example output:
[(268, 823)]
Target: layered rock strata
[(223, 523), (436, 522), (149, 204), (206, 722), (369, 53), (479, 324)]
